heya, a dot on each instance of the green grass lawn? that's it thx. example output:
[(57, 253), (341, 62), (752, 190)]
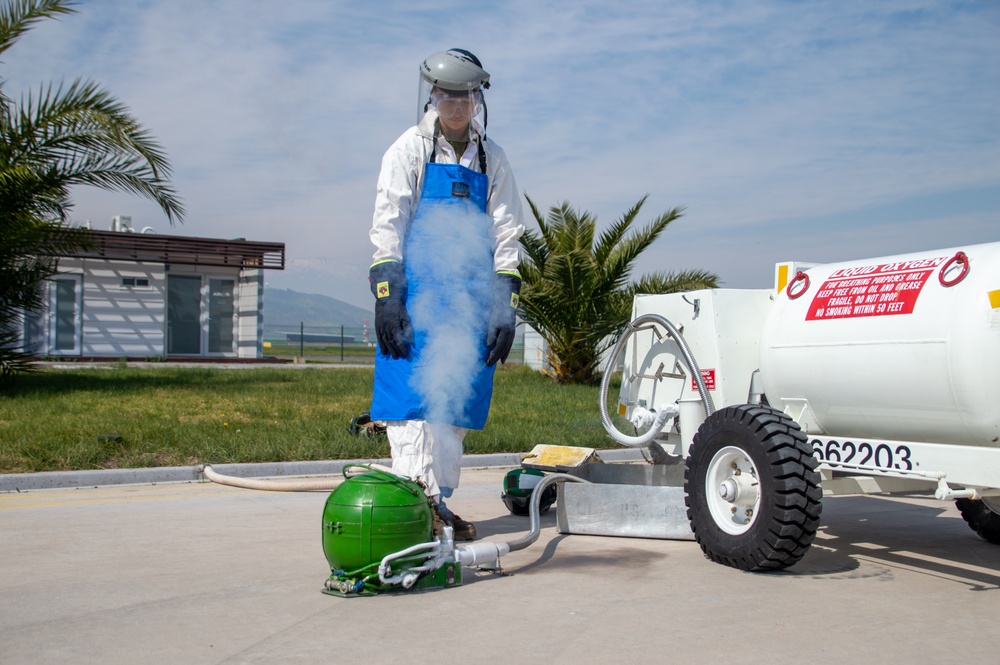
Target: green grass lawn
[(58, 420)]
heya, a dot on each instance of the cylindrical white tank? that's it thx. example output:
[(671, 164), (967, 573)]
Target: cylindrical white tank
[(902, 347)]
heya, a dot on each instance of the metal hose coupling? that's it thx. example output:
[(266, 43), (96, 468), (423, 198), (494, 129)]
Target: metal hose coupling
[(481, 553)]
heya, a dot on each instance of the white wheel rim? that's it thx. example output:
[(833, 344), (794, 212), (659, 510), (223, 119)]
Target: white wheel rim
[(732, 490)]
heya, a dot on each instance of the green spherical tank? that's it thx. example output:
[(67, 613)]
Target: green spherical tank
[(372, 515)]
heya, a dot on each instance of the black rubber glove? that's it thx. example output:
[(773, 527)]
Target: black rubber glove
[(506, 293), (392, 323)]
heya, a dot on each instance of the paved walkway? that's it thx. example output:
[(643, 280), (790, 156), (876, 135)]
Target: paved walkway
[(192, 572)]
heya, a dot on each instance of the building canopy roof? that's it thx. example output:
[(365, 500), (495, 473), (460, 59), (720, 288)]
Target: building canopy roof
[(183, 250)]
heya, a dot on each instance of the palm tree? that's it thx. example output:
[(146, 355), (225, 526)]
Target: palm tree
[(576, 292), (55, 139)]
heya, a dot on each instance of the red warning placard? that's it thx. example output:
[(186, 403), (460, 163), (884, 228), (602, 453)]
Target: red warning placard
[(708, 376), (879, 290)]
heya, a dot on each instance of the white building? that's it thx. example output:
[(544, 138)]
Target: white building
[(137, 295)]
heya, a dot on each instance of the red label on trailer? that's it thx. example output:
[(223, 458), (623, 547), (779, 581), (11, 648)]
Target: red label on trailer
[(708, 376), (880, 290)]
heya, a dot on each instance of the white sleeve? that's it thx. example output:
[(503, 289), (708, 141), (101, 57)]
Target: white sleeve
[(504, 205), (397, 195), (395, 201)]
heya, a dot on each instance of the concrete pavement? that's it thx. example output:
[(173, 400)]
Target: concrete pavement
[(194, 572)]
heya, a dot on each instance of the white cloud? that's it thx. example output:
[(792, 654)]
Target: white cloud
[(767, 119)]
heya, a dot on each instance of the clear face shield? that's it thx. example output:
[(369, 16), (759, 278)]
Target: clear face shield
[(456, 109)]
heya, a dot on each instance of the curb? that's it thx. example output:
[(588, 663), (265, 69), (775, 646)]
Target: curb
[(45, 480)]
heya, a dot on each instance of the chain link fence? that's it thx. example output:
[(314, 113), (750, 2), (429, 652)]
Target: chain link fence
[(339, 343)]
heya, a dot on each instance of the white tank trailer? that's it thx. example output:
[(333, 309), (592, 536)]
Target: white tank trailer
[(873, 376)]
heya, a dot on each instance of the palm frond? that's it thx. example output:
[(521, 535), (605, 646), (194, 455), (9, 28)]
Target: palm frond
[(576, 291), (89, 138), (671, 282), (56, 138), (616, 266), (18, 16), (613, 235)]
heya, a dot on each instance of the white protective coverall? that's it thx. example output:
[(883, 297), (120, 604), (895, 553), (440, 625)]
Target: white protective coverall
[(429, 452)]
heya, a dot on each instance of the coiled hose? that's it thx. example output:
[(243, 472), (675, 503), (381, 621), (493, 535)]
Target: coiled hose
[(663, 415)]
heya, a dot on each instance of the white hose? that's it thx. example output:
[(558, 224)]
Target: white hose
[(663, 415), (284, 484), (439, 552), (410, 574)]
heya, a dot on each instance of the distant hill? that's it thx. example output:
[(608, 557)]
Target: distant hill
[(286, 309)]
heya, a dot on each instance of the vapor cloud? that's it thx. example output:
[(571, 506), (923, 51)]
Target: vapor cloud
[(449, 246)]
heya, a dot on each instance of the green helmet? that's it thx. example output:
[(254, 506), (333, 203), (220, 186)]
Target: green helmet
[(518, 485)]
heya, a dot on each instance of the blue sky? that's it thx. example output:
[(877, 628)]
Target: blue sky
[(815, 131)]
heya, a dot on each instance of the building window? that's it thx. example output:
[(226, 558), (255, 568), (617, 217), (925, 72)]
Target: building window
[(221, 315), (183, 315), (201, 315), (65, 309)]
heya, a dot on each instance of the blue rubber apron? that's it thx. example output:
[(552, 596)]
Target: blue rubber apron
[(449, 273)]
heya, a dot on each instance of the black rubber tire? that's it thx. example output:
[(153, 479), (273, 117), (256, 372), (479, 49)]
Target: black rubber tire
[(980, 519), (787, 518)]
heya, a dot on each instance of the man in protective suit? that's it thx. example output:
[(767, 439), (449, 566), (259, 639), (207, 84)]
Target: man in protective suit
[(446, 229)]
